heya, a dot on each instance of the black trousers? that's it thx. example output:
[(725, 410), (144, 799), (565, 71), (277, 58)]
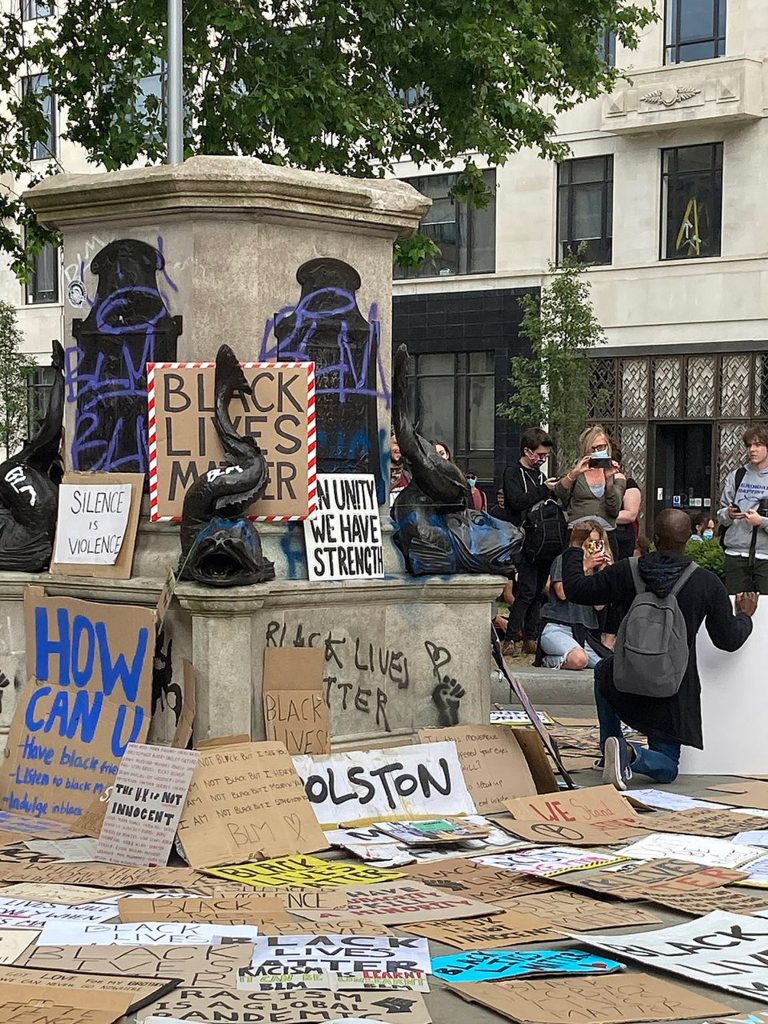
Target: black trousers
[(529, 595)]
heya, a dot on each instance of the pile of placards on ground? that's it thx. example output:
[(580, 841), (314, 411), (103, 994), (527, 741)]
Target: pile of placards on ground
[(247, 882)]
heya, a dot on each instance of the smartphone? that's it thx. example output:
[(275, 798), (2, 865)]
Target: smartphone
[(600, 463)]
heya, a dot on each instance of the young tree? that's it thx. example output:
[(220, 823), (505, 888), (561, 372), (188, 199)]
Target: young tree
[(552, 385), (348, 87), (15, 369)]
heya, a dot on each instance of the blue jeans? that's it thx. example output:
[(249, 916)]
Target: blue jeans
[(660, 761)]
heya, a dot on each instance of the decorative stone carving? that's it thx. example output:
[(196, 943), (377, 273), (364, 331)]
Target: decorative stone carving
[(662, 98)]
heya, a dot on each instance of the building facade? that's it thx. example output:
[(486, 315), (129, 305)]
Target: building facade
[(665, 190)]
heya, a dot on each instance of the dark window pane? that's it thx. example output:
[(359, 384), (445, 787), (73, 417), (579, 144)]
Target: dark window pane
[(43, 284), (588, 169), (31, 10), (480, 408), (697, 19), (606, 47), (43, 148), (585, 214), (695, 30), (692, 201), (39, 384), (696, 51), (434, 402)]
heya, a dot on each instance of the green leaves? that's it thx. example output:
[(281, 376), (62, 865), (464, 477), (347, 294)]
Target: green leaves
[(551, 386), (350, 87), (15, 369)]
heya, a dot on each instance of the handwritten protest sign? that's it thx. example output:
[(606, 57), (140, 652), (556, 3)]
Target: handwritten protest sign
[(488, 884), (401, 902), (582, 817), (295, 711), (183, 444), (697, 904), (89, 695), (68, 895), (582, 913), (38, 987), (57, 1013), (607, 998), (242, 909), (354, 786), (694, 849), (200, 966), (23, 913), (302, 871), (166, 933), (721, 949), (484, 965), (339, 954), (632, 880), (310, 1006), (493, 763), (343, 534), (703, 821), (110, 876), (509, 928), (145, 805), (97, 520), (235, 812), (549, 862)]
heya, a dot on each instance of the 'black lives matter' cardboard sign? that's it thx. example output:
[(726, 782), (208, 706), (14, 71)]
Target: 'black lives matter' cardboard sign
[(183, 444), (343, 534)]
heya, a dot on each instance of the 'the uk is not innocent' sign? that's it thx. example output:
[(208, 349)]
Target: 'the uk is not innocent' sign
[(343, 535)]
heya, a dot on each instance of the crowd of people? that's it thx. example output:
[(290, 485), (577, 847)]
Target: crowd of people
[(592, 592)]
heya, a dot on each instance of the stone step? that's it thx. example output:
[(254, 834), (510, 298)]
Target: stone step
[(546, 686)]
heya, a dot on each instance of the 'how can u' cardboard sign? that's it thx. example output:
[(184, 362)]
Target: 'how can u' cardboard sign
[(183, 443)]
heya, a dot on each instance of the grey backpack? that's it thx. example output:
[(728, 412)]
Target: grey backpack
[(651, 651)]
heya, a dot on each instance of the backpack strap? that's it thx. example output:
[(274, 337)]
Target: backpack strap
[(640, 587), (685, 575), (738, 480)]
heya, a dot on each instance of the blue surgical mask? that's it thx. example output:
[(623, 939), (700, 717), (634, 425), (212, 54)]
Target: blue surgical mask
[(708, 534), (602, 454), (471, 480)]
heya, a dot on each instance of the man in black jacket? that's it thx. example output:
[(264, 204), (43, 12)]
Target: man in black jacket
[(524, 486), (668, 722)]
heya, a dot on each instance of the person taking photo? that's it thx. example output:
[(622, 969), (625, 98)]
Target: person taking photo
[(743, 517)]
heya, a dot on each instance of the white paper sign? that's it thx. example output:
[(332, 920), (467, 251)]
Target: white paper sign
[(755, 837), (724, 950), (91, 523), (417, 781), (18, 913), (659, 800), (73, 851), (153, 933), (712, 853), (551, 860), (339, 954), (343, 535), (13, 943)]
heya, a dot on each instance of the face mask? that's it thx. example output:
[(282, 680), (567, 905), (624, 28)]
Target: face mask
[(602, 454), (708, 534), (471, 480), (537, 460)]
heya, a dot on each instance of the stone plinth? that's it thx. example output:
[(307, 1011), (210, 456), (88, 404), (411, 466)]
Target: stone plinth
[(167, 263)]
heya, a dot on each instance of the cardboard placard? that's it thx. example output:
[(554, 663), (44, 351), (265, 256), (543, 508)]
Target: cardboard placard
[(358, 786), (577, 834), (598, 807), (295, 711), (489, 885), (285, 925), (13, 943), (721, 949), (396, 903), (694, 849), (299, 872), (637, 881), (243, 909), (599, 999), (741, 794), (120, 995), (96, 524), (67, 895), (22, 913), (581, 913), (198, 966), (108, 876), (343, 535), (538, 761), (89, 694), (279, 414), (487, 965), (492, 760), (509, 928), (56, 1013), (246, 802), (702, 821), (145, 805), (183, 733), (698, 904), (310, 1006)]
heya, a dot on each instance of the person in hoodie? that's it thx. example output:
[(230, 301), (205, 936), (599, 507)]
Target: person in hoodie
[(743, 515), (670, 722), (524, 486)]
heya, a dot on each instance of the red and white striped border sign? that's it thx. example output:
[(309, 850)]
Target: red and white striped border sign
[(311, 436)]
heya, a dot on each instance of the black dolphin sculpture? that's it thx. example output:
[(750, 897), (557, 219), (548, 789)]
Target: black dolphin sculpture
[(219, 547), (29, 487), (434, 529)]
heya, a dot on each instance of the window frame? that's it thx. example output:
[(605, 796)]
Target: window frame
[(27, 6), (606, 46), (672, 44), (713, 173), (464, 219), (50, 151), (462, 375), (566, 189), (39, 384), (30, 288)]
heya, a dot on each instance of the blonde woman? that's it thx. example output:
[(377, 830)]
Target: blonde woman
[(594, 486)]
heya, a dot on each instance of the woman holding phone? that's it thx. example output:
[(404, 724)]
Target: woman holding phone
[(594, 486)]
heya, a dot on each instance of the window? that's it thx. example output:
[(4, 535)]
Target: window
[(150, 100), (32, 10), (695, 30), (43, 283), (453, 397), (692, 197), (39, 384), (42, 148), (585, 208), (466, 236), (606, 47)]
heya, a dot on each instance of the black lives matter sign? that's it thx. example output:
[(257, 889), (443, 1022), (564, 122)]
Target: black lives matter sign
[(183, 444), (343, 534)]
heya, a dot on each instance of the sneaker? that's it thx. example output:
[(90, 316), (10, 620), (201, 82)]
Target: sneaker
[(529, 646), (512, 648), (615, 772)]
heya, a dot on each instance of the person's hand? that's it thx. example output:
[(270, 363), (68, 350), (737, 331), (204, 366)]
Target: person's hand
[(754, 518), (734, 512), (595, 562), (581, 467), (611, 472), (551, 483), (746, 604)]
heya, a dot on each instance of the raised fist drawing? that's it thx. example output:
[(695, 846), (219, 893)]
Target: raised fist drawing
[(446, 697)]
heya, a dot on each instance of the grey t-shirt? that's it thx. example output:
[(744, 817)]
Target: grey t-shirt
[(564, 611)]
